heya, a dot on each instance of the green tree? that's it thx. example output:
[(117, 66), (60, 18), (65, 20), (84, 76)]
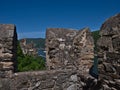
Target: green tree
[(29, 63), (96, 36)]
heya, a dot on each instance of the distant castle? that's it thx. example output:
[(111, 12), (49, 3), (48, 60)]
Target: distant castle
[(28, 48)]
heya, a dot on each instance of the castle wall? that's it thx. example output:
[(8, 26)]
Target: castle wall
[(43, 80), (69, 54), (109, 53), (69, 49), (8, 48)]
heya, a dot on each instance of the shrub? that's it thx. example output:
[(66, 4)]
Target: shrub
[(29, 63)]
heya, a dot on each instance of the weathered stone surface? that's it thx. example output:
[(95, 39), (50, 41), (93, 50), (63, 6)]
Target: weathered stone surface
[(8, 47), (74, 78), (36, 80), (49, 80), (109, 52), (4, 84), (111, 26), (72, 87), (69, 49)]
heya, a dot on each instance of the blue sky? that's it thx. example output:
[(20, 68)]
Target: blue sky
[(32, 17)]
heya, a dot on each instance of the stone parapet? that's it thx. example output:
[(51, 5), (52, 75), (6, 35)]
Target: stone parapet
[(69, 49), (8, 47), (109, 52), (48, 80)]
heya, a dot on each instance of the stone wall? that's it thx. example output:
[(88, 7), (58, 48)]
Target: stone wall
[(70, 43), (8, 45), (109, 53), (49, 80), (69, 53), (69, 49), (44, 80)]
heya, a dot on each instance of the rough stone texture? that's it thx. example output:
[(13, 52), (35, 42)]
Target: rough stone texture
[(74, 47), (109, 53), (69, 49), (49, 80), (8, 43), (43, 80)]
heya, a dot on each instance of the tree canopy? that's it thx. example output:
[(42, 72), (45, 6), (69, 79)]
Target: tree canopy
[(29, 63)]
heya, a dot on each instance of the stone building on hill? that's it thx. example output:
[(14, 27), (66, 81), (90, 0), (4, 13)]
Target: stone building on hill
[(28, 48)]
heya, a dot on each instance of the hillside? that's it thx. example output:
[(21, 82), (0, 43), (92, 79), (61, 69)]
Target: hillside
[(38, 42)]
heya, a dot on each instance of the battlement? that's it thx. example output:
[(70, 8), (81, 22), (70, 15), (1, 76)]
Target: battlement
[(8, 48)]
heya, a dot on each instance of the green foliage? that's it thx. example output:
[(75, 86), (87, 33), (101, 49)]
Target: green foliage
[(29, 63), (96, 36), (19, 51)]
